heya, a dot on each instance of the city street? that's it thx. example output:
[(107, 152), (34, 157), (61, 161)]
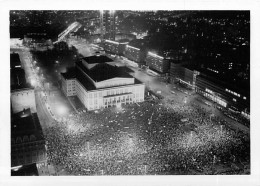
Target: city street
[(51, 104)]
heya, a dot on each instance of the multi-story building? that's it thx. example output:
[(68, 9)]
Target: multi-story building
[(22, 94), (34, 40), (136, 51), (68, 82), (224, 94), (175, 70), (114, 47), (99, 84), (107, 24), (121, 36), (27, 140), (157, 63), (186, 75)]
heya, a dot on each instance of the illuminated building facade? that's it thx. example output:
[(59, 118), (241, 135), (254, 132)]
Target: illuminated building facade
[(22, 94), (135, 54), (107, 24), (182, 74), (114, 47), (223, 94), (157, 62), (99, 84)]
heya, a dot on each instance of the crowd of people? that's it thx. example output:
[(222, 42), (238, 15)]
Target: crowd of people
[(145, 138)]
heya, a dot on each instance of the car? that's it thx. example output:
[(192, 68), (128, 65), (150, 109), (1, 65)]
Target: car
[(173, 92)]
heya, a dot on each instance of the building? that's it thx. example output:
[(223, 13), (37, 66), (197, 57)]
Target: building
[(157, 63), (22, 94), (107, 24), (136, 51), (27, 140), (120, 36), (98, 84), (184, 74), (175, 71), (34, 40), (211, 87), (224, 94), (114, 47), (68, 82)]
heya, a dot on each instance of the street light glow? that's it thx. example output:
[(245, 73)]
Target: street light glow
[(61, 110), (33, 82)]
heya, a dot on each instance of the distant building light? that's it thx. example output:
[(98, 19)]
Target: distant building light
[(209, 91), (132, 47), (155, 55), (18, 66), (234, 100), (109, 41), (244, 98)]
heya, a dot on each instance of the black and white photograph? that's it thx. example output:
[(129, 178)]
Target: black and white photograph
[(122, 92)]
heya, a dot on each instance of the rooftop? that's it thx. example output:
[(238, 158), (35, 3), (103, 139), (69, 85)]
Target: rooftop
[(70, 74), (97, 59), (104, 71), (25, 123)]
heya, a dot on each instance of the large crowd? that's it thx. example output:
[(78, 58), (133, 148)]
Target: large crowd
[(153, 137)]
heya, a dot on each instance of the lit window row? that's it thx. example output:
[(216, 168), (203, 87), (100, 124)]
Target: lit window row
[(234, 93), (128, 46), (209, 91), (112, 42), (155, 55), (213, 70)]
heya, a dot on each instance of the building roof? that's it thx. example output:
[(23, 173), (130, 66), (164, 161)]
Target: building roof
[(26, 123), (97, 59), (70, 74), (104, 71), (84, 80)]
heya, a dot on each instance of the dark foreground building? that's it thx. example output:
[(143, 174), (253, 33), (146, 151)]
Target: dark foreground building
[(27, 140)]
